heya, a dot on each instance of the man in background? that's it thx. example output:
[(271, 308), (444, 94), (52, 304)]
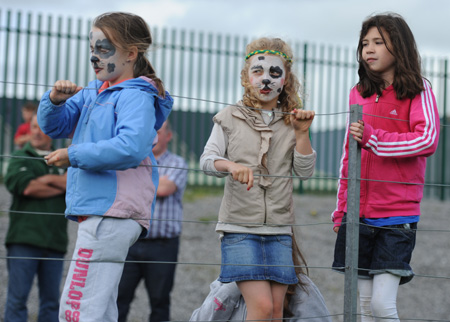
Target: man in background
[(162, 241), (36, 189)]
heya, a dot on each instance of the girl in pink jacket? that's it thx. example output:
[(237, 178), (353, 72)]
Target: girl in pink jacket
[(399, 130)]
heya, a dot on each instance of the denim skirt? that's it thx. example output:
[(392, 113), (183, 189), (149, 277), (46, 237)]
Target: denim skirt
[(257, 257)]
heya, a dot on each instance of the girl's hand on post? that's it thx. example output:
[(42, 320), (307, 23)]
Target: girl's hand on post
[(58, 158), (301, 120), (357, 130), (242, 174), (63, 90)]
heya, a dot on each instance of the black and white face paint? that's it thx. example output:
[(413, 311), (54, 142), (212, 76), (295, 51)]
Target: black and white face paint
[(267, 75), (107, 61)]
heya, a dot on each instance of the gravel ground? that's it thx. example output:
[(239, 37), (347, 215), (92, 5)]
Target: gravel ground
[(424, 299)]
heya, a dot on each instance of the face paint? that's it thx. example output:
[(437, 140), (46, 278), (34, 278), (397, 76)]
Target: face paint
[(267, 75), (109, 63)]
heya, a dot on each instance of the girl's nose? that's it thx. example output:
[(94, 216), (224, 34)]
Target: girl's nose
[(369, 48), (94, 59), (266, 81)]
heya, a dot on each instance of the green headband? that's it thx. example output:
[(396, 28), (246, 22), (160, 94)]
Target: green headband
[(268, 51)]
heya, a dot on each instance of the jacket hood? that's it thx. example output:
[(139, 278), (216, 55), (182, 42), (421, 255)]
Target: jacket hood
[(163, 105)]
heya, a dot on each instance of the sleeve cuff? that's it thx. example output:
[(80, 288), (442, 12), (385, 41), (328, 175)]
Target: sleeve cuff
[(207, 165), (311, 156), (368, 130), (71, 150)]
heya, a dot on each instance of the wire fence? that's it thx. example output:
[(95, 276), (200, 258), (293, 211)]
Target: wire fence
[(201, 70), (214, 264), (200, 222)]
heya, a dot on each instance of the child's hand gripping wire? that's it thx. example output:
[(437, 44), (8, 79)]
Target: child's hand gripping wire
[(238, 171), (63, 90), (301, 119)]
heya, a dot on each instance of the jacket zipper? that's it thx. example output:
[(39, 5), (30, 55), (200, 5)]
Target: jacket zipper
[(366, 183), (265, 206), (74, 184), (88, 115)]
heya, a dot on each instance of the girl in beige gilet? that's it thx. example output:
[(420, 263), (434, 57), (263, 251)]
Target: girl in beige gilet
[(264, 134)]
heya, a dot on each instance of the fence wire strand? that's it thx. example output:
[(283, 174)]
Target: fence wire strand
[(214, 222), (222, 103), (188, 98), (261, 175)]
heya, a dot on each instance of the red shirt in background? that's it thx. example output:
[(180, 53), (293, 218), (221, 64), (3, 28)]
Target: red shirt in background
[(23, 129)]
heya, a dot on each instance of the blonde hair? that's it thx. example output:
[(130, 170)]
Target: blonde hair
[(288, 98)]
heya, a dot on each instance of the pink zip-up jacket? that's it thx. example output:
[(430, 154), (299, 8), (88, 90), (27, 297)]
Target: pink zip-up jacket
[(398, 137)]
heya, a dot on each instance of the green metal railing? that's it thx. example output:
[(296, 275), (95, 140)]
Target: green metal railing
[(202, 71)]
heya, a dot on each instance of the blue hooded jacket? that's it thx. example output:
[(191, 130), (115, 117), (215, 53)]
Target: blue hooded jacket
[(111, 157)]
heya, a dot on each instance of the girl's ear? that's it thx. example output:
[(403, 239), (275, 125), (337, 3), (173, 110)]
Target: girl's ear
[(132, 53)]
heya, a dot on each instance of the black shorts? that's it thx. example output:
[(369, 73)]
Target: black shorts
[(381, 249)]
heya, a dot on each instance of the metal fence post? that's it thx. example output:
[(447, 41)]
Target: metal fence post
[(352, 225), (443, 135)]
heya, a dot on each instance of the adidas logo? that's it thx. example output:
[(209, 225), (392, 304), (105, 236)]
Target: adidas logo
[(393, 112)]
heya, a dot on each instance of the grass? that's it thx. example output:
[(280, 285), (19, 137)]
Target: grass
[(194, 193), (208, 219)]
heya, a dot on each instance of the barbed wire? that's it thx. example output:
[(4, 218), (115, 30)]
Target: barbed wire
[(385, 117), (223, 103), (187, 97), (196, 264), (295, 318), (215, 222), (287, 319), (318, 317), (418, 275), (210, 222), (260, 175), (154, 262), (341, 268), (404, 319)]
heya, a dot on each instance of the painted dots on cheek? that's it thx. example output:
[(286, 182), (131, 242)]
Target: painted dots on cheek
[(111, 67), (282, 84)]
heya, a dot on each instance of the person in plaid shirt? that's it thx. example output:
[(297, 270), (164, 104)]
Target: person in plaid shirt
[(162, 241)]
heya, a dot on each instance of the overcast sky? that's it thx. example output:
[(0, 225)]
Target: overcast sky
[(320, 21)]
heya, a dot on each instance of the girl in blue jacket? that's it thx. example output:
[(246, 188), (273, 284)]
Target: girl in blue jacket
[(111, 184)]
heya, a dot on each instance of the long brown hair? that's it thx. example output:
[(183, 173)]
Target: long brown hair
[(407, 66), (301, 268), (288, 98), (126, 30)]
